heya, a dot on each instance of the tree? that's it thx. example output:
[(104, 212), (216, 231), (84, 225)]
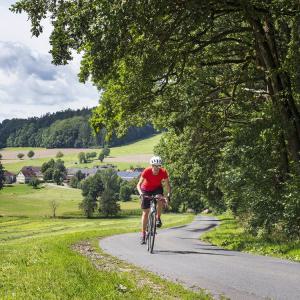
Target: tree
[(125, 192), (59, 172), (92, 188), (2, 177), (58, 177), (30, 154), (75, 181), (108, 205), (101, 156), (106, 150), (0, 156), (48, 165), (82, 157), (53, 205), (59, 154), (34, 182), (20, 155), (48, 174), (181, 37), (221, 76)]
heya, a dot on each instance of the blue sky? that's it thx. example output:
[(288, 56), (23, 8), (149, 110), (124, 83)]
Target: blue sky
[(29, 84)]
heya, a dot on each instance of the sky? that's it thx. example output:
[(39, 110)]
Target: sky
[(29, 84)]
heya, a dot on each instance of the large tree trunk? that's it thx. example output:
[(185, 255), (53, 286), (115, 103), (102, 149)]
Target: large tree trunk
[(278, 81)]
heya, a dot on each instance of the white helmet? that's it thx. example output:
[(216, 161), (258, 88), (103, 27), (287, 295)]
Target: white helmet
[(156, 160)]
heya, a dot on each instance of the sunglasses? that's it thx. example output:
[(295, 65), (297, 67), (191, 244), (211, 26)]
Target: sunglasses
[(156, 166)]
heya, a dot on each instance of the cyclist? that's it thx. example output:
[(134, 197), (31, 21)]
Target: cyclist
[(150, 184)]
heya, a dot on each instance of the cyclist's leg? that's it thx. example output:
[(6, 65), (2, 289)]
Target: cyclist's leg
[(145, 216), (145, 206), (159, 192)]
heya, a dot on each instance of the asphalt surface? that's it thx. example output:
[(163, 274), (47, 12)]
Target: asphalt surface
[(180, 256)]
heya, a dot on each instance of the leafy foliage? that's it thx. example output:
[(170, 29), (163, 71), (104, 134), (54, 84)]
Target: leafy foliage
[(101, 191), (221, 76), (125, 192), (34, 182), (60, 130), (30, 154), (54, 170), (20, 155)]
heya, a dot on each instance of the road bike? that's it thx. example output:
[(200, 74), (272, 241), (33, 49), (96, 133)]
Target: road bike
[(151, 225)]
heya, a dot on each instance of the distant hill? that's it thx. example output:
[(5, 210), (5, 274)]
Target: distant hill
[(63, 129)]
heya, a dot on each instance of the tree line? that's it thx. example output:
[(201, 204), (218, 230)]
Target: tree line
[(65, 129), (222, 77)]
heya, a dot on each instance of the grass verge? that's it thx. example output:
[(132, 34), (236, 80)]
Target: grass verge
[(230, 235), (46, 266)]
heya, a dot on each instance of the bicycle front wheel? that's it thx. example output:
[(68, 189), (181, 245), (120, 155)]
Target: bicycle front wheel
[(152, 232)]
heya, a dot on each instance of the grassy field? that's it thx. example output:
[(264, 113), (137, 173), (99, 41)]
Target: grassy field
[(42, 257), (230, 235), (37, 261), (141, 147), (38, 258), (71, 160), (23, 200)]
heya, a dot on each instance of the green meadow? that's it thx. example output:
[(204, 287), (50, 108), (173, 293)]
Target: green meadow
[(38, 257), (23, 200)]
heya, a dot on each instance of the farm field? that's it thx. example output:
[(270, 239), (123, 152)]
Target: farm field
[(135, 154)]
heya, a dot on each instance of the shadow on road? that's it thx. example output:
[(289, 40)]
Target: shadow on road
[(202, 229), (186, 252), (176, 227)]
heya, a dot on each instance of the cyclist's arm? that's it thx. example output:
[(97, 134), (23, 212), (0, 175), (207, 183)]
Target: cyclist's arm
[(168, 186), (139, 185)]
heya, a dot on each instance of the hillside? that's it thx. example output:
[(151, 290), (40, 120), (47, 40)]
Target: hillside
[(63, 129), (133, 154)]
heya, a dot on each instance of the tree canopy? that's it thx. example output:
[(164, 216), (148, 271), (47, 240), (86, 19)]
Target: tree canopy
[(222, 76)]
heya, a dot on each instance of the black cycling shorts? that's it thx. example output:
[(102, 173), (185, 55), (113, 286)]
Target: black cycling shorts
[(145, 203)]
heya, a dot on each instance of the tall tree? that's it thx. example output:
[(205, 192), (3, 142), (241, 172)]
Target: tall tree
[(148, 46), (222, 76)]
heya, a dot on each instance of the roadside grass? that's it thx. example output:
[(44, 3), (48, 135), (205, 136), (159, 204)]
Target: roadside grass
[(230, 235), (39, 263)]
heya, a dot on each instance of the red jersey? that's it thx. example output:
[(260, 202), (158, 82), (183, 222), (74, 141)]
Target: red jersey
[(152, 182)]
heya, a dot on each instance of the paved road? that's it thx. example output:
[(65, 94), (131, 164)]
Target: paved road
[(180, 256)]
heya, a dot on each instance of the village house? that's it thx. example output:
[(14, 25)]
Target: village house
[(9, 177), (28, 173)]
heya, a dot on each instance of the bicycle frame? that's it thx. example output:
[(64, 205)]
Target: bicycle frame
[(151, 225)]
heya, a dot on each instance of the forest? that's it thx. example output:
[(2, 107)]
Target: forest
[(223, 77), (63, 129)]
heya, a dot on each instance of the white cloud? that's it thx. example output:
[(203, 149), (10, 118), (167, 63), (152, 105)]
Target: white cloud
[(29, 84), (27, 77)]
